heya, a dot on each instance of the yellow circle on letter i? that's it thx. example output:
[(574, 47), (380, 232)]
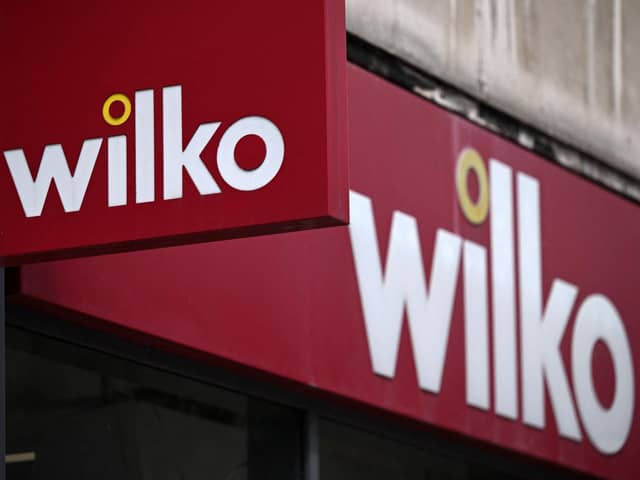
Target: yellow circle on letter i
[(106, 109), (475, 212)]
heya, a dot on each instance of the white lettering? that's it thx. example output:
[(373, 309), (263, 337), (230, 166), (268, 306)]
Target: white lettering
[(383, 298), (145, 156), (476, 325), (607, 428), (384, 294), (53, 166), (248, 180), (175, 158), (117, 170), (503, 291), (541, 334)]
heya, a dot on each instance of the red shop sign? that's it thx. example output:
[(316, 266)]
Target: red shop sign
[(128, 125), (478, 289)]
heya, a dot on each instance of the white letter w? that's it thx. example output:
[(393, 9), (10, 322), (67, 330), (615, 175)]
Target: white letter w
[(383, 299), (53, 166)]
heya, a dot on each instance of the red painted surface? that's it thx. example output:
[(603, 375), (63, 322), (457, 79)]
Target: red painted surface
[(289, 304), (233, 59)]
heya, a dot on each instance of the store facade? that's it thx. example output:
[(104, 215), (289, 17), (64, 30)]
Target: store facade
[(476, 319), (479, 290)]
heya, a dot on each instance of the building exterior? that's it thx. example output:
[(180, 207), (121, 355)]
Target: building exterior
[(576, 58), (475, 320)]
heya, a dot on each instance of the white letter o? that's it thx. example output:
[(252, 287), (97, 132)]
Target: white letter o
[(247, 180), (598, 319)]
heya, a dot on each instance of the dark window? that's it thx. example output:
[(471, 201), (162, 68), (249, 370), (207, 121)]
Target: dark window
[(74, 413), (350, 454)]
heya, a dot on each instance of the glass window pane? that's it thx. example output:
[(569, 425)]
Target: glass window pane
[(76, 413), (350, 454)]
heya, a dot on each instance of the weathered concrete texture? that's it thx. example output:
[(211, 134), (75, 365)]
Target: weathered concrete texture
[(568, 67)]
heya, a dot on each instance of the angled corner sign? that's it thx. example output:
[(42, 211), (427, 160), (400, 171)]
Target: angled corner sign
[(126, 126)]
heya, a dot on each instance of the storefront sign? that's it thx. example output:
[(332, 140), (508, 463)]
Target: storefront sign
[(127, 126), (543, 323), (478, 289)]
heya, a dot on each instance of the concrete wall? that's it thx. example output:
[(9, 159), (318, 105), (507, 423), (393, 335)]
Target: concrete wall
[(568, 67)]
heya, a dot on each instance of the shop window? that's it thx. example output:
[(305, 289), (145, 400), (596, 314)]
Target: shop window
[(74, 413), (350, 454)]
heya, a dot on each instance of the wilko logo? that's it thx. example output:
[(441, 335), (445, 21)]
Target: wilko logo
[(177, 158), (542, 325), (136, 153)]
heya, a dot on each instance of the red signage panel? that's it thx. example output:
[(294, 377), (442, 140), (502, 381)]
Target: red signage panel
[(478, 288), (128, 126)]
